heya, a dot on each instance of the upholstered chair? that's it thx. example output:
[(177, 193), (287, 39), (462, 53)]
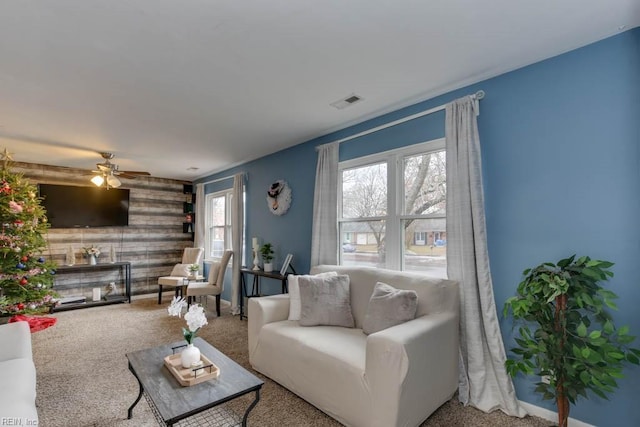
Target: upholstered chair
[(180, 272), (214, 284)]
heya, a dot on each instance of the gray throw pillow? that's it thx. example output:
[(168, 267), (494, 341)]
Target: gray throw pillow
[(325, 301), (388, 307)]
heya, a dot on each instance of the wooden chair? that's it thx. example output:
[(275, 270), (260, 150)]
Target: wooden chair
[(180, 271), (214, 284)]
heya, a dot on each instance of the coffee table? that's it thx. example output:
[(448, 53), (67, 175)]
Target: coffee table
[(170, 402)]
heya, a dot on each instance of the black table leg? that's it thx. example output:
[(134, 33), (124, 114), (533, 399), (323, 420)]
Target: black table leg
[(130, 412), (253, 404), (243, 292)]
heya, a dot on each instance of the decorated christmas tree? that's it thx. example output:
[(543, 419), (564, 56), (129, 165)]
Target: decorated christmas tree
[(26, 277)]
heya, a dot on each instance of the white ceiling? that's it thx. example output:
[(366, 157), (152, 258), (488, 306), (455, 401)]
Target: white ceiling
[(168, 84)]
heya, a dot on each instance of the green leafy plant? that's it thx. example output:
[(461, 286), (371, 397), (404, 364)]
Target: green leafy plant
[(266, 251), (567, 335)]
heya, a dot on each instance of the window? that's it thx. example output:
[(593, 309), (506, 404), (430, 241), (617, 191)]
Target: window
[(218, 223), (392, 209)]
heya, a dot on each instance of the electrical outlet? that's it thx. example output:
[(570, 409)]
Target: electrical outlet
[(545, 379)]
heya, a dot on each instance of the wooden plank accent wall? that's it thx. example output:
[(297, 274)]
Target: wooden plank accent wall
[(153, 242)]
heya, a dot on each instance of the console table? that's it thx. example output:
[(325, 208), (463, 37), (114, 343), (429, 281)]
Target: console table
[(124, 267), (255, 291)]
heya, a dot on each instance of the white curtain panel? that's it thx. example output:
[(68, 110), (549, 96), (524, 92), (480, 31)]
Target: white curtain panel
[(484, 382), (324, 237), (198, 238), (237, 237)]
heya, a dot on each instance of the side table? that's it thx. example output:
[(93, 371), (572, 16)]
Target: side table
[(255, 291)]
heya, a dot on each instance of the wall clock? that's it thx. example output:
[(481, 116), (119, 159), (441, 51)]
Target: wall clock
[(279, 197)]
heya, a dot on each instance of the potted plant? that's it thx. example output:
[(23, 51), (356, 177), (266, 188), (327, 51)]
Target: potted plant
[(266, 251), (193, 271), (567, 337)]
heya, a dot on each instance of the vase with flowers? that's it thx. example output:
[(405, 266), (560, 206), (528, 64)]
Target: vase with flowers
[(195, 319), (92, 253), (193, 271)]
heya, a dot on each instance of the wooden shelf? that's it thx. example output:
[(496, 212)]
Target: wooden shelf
[(125, 268), (116, 299)]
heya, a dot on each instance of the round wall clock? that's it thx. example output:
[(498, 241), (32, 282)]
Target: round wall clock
[(279, 197)]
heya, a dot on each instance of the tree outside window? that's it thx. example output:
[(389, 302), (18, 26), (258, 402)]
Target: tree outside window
[(218, 223), (392, 209)]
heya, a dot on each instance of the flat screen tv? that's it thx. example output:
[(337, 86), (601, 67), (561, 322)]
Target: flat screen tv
[(69, 206)]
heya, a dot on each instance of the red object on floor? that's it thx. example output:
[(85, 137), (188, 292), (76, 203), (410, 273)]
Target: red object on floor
[(36, 323)]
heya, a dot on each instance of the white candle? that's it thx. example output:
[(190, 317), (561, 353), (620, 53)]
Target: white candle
[(255, 243), (96, 294)]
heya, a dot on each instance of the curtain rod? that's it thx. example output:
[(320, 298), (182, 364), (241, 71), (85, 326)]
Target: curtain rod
[(476, 97), (224, 178)]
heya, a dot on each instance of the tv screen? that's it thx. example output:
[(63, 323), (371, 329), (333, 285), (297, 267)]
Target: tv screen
[(70, 206)]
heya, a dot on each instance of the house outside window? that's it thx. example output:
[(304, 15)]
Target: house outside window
[(420, 238), (218, 223), (392, 209)]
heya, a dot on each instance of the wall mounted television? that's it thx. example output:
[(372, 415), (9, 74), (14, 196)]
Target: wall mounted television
[(71, 206)]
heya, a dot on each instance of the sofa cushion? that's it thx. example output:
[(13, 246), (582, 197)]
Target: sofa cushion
[(15, 341), (324, 365), (325, 301), (294, 293), (18, 391), (388, 307), (434, 294)]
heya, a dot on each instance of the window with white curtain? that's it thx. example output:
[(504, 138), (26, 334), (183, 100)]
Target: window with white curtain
[(392, 209), (217, 223)]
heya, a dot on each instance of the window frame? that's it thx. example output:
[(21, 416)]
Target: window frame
[(395, 197), (228, 195)]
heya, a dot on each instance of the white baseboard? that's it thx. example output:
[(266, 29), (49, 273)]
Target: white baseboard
[(550, 415)]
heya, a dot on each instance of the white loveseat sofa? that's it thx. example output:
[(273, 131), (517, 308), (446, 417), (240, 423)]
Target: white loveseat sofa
[(17, 375), (395, 377)]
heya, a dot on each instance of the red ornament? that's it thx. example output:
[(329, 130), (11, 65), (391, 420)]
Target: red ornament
[(20, 306), (23, 281), (24, 258)]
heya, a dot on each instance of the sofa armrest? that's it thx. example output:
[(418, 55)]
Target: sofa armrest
[(15, 341), (263, 310), (412, 368)]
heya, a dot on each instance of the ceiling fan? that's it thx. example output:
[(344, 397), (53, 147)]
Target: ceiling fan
[(108, 173)]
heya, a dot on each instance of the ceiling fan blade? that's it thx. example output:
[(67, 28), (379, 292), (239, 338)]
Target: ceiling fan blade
[(132, 174), (142, 173)]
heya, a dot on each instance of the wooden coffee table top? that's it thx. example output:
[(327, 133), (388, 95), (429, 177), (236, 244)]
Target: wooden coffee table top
[(175, 402)]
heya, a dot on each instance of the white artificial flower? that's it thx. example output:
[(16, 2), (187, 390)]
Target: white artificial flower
[(195, 317), (176, 306)]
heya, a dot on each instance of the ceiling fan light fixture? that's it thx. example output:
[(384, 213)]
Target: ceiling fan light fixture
[(97, 180), (112, 181)]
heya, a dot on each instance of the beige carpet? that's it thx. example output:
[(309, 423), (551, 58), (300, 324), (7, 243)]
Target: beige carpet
[(83, 378)]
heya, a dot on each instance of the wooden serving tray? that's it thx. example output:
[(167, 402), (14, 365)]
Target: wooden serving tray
[(185, 376)]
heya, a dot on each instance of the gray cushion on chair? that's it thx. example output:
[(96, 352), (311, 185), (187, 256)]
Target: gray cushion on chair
[(388, 307), (325, 301)]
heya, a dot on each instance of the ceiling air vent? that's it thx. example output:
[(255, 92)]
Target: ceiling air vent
[(346, 102)]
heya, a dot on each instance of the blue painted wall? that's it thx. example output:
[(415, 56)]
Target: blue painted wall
[(560, 145)]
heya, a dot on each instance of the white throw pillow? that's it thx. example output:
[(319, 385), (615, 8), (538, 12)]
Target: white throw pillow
[(388, 307), (294, 293), (181, 270)]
